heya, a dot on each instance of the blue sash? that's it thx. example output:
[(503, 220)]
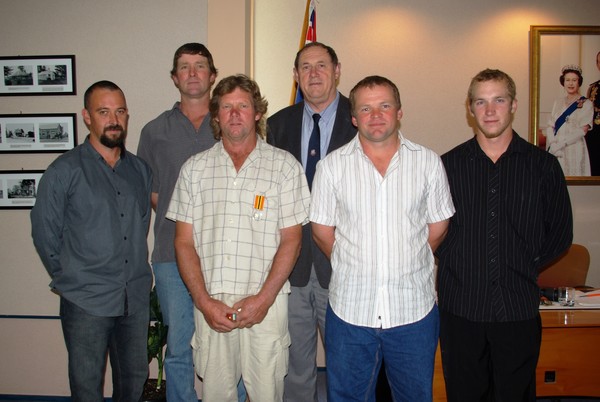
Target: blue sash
[(563, 117)]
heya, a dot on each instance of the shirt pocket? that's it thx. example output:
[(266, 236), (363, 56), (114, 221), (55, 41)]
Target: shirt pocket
[(260, 205)]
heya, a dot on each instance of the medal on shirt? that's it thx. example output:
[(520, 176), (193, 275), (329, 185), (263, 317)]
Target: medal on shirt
[(258, 207)]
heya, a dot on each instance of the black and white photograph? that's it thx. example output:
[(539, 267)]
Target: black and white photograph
[(37, 133), (38, 75), (54, 132), (20, 133), (18, 188), (15, 76), (21, 188), (52, 74), (564, 66)]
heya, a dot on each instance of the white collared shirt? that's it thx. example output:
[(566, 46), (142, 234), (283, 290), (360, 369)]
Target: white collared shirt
[(383, 267)]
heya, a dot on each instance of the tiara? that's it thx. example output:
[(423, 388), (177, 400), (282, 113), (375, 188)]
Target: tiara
[(572, 67)]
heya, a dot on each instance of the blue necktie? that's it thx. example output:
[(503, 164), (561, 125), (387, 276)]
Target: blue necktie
[(314, 150)]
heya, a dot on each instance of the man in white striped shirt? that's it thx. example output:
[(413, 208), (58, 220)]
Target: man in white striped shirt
[(380, 207)]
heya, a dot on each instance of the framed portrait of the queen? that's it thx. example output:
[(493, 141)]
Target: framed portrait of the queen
[(565, 98)]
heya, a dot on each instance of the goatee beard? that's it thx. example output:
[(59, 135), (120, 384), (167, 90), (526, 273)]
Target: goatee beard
[(113, 142)]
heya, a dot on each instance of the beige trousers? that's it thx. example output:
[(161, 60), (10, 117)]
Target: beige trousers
[(259, 355)]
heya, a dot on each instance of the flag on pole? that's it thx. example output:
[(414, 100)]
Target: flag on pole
[(310, 25), (309, 34)]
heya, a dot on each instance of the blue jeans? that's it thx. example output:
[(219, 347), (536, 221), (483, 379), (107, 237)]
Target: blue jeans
[(354, 356), (178, 313), (88, 338)]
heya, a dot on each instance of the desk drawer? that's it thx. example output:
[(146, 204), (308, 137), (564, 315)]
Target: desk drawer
[(572, 356)]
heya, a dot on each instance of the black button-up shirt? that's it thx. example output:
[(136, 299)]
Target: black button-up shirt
[(89, 225), (512, 218)]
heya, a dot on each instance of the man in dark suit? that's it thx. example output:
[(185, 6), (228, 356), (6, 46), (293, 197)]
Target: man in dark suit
[(592, 138), (309, 130)]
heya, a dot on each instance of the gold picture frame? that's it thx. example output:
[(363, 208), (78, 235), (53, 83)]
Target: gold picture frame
[(551, 47)]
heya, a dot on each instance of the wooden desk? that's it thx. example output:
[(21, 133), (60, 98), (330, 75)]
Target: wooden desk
[(571, 350), (570, 354)]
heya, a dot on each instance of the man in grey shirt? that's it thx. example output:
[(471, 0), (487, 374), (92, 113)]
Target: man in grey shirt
[(89, 226), (166, 143)]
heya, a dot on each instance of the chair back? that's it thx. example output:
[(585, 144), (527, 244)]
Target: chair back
[(569, 270)]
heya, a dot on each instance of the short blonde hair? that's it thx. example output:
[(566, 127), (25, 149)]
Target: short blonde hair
[(492, 75)]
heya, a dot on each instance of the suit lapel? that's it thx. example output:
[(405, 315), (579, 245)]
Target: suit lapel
[(296, 127), (343, 130)]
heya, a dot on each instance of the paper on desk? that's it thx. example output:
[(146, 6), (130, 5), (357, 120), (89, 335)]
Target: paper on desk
[(588, 299)]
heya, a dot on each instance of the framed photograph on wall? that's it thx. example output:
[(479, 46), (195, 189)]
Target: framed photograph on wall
[(38, 75), (564, 66), (37, 133), (18, 188)]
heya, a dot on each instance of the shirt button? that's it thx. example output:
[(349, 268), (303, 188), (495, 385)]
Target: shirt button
[(493, 191), (493, 214), (493, 260), (124, 237)]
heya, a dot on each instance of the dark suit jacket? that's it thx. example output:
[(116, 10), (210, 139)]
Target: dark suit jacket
[(284, 130)]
